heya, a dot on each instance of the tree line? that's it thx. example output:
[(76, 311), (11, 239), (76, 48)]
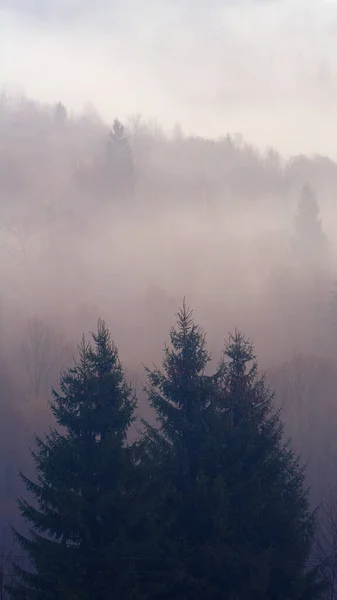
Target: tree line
[(158, 556), (209, 501), (91, 163)]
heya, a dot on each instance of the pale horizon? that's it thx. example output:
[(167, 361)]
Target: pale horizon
[(264, 69)]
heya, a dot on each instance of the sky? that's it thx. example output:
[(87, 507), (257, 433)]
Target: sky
[(264, 68)]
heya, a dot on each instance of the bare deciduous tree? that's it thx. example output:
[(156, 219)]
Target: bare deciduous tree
[(44, 355), (37, 356)]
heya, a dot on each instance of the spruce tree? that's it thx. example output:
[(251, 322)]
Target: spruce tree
[(174, 449), (60, 113), (311, 264), (334, 307), (309, 240), (119, 168), (78, 546), (272, 525), (229, 516), (331, 321)]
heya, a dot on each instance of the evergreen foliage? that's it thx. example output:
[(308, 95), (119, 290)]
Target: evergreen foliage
[(272, 525), (228, 495), (181, 395), (83, 498), (210, 503)]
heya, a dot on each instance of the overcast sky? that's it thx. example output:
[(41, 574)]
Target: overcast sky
[(265, 68)]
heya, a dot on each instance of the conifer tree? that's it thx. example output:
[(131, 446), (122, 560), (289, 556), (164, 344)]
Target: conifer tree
[(83, 500), (272, 525), (334, 302), (230, 515), (119, 162), (309, 240), (311, 262), (181, 395), (331, 331), (60, 114)]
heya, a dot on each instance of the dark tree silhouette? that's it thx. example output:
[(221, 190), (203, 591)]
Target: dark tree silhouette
[(82, 491), (227, 505)]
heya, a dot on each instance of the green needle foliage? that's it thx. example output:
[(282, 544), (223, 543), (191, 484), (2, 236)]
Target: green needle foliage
[(228, 510), (209, 504), (83, 490)]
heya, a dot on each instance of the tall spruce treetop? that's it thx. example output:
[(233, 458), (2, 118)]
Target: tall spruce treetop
[(181, 395), (230, 514), (82, 492), (272, 525), (177, 393)]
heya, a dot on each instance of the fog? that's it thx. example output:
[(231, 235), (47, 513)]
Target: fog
[(265, 67), (122, 220)]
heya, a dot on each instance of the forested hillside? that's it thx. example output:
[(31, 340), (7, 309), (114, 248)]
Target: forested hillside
[(121, 221)]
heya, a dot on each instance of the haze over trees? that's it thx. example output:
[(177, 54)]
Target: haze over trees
[(122, 220), (309, 240), (211, 499)]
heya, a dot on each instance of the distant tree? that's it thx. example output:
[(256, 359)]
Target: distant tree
[(37, 357), (206, 194), (43, 353), (119, 170), (82, 492), (334, 292), (334, 301), (229, 504), (309, 240), (177, 133), (60, 114), (332, 320), (305, 387), (311, 273)]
